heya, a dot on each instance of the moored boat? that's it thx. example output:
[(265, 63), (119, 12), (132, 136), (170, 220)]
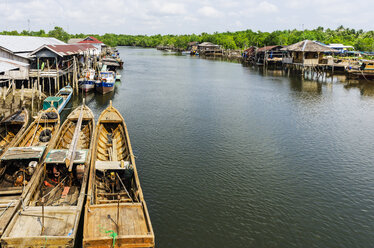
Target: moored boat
[(116, 214), (19, 163), (87, 82), (106, 82), (365, 70), (60, 100), (54, 203), (11, 127)]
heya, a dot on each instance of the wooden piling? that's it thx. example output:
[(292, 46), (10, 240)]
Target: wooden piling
[(22, 93)]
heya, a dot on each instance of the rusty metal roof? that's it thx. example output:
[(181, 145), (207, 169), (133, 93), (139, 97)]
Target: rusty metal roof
[(66, 50)]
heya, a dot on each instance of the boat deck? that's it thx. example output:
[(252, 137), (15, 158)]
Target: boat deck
[(132, 225)]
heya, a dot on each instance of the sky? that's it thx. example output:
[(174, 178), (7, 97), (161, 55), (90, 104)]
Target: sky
[(183, 17)]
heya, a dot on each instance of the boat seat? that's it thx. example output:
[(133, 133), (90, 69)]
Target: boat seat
[(112, 165)]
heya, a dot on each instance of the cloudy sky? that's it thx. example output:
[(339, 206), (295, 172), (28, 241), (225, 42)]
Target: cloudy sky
[(183, 17)]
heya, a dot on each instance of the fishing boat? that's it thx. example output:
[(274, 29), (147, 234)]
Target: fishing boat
[(365, 70), (19, 163), (106, 82), (54, 203), (87, 82), (11, 127), (116, 214), (60, 100)]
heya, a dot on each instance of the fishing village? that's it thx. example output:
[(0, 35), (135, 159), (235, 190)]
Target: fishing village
[(54, 171), (239, 138), (307, 58), (76, 179)]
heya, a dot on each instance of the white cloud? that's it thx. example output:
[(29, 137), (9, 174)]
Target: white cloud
[(209, 11), (267, 7), (173, 9), (180, 17)]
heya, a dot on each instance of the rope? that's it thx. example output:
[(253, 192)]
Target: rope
[(362, 72)]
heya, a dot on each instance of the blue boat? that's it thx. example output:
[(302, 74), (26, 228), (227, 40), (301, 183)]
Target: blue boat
[(106, 82), (60, 100)]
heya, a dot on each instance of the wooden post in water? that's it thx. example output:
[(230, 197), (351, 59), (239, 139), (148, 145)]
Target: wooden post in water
[(57, 76), (13, 88), (38, 66), (22, 93), (40, 92), (49, 79), (32, 98)]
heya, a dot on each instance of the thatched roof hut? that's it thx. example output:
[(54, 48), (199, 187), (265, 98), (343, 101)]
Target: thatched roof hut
[(306, 52), (308, 46)]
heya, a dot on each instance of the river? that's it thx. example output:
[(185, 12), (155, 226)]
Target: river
[(228, 157)]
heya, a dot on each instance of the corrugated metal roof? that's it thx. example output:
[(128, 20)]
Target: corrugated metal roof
[(74, 41), (7, 67), (15, 62), (22, 44), (65, 50), (8, 64)]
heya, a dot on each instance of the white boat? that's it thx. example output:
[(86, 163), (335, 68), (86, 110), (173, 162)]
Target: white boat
[(87, 82)]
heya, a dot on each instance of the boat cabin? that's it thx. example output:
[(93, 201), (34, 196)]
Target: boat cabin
[(107, 75), (52, 101)]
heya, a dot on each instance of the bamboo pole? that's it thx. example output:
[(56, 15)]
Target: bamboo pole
[(13, 88), (57, 76), (49, 78), (22, 93)]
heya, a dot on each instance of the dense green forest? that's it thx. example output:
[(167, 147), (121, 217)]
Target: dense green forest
[(361, 40)]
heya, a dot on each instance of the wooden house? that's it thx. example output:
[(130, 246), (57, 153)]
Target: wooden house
[(269, 55), (209, 49), (13, 69), (305, 53), (57, 60)]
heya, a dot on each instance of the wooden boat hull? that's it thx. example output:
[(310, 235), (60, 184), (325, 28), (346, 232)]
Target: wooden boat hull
[(104, 88), (120, 210), (12, 122), (67, 97), (13, 159), (87, 86), (53, 212)]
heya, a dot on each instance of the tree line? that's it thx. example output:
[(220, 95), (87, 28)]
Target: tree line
[(361, 40)]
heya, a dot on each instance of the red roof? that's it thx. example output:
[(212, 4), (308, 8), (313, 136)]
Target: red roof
[(90, 39)]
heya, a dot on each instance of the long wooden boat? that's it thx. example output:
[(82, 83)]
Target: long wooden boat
[(19, 163), (60, 100), (116, 214), (12, 127), (365, 70), (54, 203)]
